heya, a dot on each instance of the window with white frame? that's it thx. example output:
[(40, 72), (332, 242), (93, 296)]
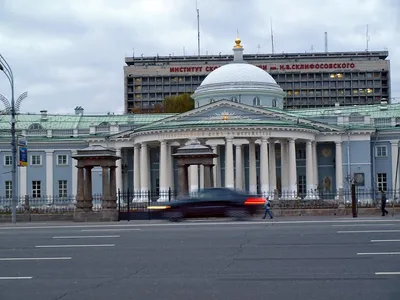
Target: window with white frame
[(381, 179), (381, 151), (62, 188), (62, 160), (36, 160), (36, 189), (7, 160), (8, 189)]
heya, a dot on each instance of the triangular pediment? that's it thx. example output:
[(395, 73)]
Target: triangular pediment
[(229, 112)]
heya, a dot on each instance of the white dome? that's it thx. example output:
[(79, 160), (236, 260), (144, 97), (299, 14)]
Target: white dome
[(238, 73)]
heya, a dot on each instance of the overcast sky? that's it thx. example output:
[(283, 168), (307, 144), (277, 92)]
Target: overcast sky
[(71, 52)]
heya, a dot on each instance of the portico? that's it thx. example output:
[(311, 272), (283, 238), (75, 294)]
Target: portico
[(250, 160)]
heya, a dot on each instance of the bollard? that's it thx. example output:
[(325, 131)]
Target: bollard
[(353, 200)]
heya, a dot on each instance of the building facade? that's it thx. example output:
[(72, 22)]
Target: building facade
[(310, 80), (262, 147)]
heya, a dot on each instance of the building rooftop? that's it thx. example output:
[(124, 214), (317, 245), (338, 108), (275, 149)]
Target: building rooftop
[(154, 60)]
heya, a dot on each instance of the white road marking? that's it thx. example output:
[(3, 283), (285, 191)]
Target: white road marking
[(368, 231), (387, 273), (384, 241), (198, 224), (72, 246), (14, 278), (33, 258), (380, 253), (112, 229), (86, 237), (361, 225)]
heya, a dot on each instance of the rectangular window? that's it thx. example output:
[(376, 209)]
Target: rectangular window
[(382, 181), (36, 160), (36, 189), (8, 189), (301, 185), (62, 160), (300, 154), (381, 151), (8, 160), (62, 188)]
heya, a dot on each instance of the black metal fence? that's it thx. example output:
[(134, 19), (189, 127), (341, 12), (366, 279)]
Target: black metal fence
[(130, 203)]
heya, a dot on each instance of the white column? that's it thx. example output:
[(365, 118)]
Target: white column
[(264, 168), (252, 168), (171, 173), (144, 172), (23, 183), (118, 171), (394, 153), (229, 176), (339, 166), (292, 194), (136, 167), (164, 171), (239, 167), (74, 177), (309, 171), (217, 168), (193, 179), (49, 175), (315, 165), (284, 168), (201, 174), (272, 167)]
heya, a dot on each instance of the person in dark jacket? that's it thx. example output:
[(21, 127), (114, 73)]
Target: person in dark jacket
[(267, 208), (383, 203)]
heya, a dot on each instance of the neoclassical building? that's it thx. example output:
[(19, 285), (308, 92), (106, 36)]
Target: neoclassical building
[(239, 113)]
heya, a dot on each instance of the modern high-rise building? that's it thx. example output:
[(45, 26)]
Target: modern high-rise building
[(310, 80)]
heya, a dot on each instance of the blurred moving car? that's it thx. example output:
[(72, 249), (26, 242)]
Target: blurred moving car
[(211, 202)]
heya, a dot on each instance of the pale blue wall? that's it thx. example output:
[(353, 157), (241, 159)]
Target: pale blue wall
[(62, 172), (36, 172), (359, 153)]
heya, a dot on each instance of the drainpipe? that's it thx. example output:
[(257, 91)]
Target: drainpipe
[(374, 166)]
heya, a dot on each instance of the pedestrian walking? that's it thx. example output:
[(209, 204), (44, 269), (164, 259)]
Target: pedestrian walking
[(267, 208), (383, 203)]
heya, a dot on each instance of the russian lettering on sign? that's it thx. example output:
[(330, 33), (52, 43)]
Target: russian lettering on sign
[(272, 67)]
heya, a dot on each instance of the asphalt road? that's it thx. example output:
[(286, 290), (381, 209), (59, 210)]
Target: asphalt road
[(286, 259)]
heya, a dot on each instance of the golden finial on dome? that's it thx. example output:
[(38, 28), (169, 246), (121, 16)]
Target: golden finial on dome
[(237, 42)]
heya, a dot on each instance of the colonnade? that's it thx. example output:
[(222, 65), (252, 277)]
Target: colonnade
[(234, 168)]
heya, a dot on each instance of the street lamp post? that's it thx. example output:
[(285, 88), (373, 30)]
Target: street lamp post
[(5, 67)]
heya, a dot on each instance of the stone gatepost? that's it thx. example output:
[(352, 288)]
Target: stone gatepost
[(193, 153), (88, 158)]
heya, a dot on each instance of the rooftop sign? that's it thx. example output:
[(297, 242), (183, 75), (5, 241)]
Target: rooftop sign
[(272, 67)]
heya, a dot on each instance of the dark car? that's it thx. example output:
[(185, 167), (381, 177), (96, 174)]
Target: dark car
[(211, 202)]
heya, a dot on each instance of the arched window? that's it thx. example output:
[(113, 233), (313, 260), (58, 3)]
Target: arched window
[(256, 101), (35, 126), (234, 99), (273, 102), (212, 100), (104, 125), (197, 104), (356, 118)]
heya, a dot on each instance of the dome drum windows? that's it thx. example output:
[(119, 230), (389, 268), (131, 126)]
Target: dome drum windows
[(257, 101)]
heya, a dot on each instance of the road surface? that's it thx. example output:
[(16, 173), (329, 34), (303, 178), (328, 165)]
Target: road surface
[(291, 258)]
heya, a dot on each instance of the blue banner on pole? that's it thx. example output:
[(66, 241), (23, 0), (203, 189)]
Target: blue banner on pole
[(23, 153)]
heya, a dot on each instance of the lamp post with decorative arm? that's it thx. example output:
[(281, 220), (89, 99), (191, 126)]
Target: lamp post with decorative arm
[(11, 108)]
